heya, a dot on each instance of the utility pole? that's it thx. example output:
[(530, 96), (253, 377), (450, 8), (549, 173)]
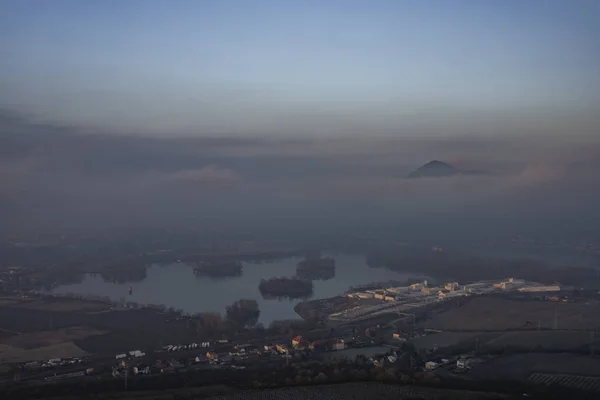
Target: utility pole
[(126, 373)]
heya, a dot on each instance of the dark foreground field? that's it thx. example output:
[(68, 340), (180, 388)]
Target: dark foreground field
[(111, 331), (343, 391)]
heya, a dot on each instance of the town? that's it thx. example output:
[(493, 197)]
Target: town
[(380, 328)]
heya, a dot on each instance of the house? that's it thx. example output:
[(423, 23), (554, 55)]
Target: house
[(399, 337), (319, 345), (338, 345), (364, 295), (431, 365), (296, 341), (268, 347), (303, 345), (282, 348)]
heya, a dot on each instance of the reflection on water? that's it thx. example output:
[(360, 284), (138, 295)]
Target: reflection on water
[(177, 286)]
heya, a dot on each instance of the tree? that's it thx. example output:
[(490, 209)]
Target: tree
[(243, 313), (321, 378), (211, 323)]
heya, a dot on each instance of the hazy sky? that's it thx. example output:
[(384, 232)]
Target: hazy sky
[(318, 67), (127, 112)]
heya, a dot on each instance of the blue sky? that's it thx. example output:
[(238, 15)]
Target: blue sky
[(287, 67)]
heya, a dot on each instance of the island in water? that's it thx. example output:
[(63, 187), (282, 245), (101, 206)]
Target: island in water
[(292, 288), (316, 268)]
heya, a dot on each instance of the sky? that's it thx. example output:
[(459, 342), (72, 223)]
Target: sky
[(132, 113), (331, 67)]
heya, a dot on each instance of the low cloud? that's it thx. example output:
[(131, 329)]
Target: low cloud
[(540, 174), (53, 174)]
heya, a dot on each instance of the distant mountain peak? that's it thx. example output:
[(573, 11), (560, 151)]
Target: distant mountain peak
[(434, 169)]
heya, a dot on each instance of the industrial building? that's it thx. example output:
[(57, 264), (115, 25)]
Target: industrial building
[(552, 288), (405, 298)]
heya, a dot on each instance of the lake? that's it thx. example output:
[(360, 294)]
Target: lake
[(176, 285)]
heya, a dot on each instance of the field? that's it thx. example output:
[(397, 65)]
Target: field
[(551, 340), (45, 344), (449, 339), (367, 391), (357, 390), (498, 314), (102, 333), (50, 338), (521, 366), (577, 382), (10, 354)]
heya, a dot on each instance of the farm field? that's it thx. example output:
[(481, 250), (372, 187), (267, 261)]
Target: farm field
[(498, 314), (547, 340), (10, 354), (521, 366), (50, 338)]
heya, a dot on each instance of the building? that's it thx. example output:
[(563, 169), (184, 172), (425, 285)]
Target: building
[(475, 285), (319, 345), (338, 345), (390, 298), (282, 348), (551, 288), (431, 365), (296, 341), (450, 286), (399, 290), (364, 295), (303, 345)]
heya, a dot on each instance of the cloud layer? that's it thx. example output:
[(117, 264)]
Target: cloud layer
[(53, 177)]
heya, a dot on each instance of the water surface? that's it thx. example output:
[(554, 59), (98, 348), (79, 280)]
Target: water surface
[(175, 285)]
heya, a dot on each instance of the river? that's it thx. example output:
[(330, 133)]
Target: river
[(176, 285)]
